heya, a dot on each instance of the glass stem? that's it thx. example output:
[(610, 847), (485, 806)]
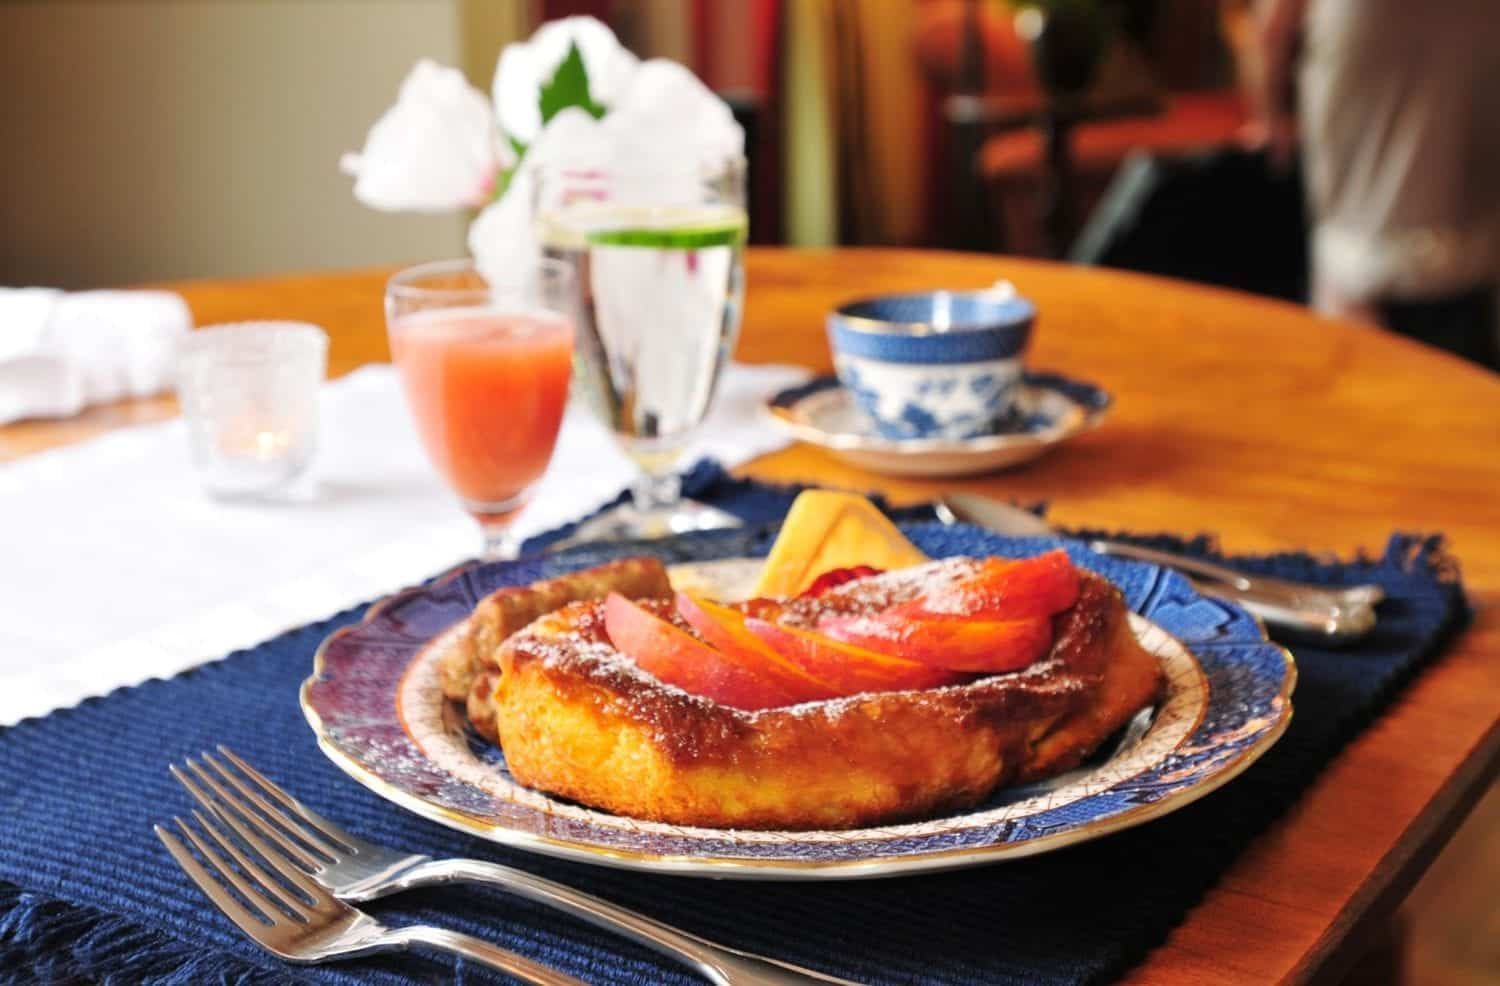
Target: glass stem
[(497, 523), (501, 543), (655, 491)]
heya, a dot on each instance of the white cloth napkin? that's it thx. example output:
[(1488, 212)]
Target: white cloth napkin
[(61, 352), (115, 567)]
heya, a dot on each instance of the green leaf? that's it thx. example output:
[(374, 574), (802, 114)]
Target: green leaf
[(569, 86)]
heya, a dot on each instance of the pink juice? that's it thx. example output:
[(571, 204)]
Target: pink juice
[(487, 391)]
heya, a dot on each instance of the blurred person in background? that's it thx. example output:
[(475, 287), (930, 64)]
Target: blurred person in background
[(1397, 108)]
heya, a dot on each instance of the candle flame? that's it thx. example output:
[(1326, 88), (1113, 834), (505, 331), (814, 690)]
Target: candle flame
[(270, 444)]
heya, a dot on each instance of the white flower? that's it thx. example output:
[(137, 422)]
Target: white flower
[(525, 66), (436, 150), (503, 238), (666, 126), (661, 122), (571, 139), (666, 113)]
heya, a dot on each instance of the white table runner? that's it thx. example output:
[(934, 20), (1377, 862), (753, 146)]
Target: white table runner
[(115, 567)]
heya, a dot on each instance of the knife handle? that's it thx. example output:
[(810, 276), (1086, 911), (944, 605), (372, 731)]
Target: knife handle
[(1296, 595), (1331, 626)]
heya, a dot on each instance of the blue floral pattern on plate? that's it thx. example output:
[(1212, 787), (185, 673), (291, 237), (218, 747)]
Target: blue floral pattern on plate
[(372, 699)]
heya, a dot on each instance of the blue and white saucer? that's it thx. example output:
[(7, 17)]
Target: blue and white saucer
[(1051, 409)]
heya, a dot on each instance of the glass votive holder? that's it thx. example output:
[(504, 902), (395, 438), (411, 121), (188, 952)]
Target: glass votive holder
[(249, 396)]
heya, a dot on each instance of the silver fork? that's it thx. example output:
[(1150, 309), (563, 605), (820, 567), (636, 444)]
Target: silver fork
[(356, 870), (309, 924)]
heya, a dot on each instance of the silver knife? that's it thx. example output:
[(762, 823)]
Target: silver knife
[(1329, 615)]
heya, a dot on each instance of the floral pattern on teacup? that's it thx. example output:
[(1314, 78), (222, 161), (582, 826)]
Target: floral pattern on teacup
[(954, 400)]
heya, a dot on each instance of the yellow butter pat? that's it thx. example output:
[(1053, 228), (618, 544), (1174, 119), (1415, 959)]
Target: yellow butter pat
[(825, 530)]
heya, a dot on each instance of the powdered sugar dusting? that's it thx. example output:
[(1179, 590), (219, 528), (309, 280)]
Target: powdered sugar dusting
[(1041, 674), (877, 592), (575, 638)]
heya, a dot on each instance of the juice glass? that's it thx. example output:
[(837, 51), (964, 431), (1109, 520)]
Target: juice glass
[(486, 377)]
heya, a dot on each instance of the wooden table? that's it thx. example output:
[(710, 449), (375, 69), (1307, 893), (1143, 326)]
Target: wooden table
[(1248, 418)]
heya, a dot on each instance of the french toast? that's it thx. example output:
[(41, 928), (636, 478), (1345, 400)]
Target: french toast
[(579, 719), (860, 685)]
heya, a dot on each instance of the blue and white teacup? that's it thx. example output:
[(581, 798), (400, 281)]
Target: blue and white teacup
[(940, 364)]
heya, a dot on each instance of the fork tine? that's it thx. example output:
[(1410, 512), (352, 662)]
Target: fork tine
[(253, 872), (312, 818), (278, 815), (218, 864), (311, 862), (250, 922), (293, 874), (272, 812)]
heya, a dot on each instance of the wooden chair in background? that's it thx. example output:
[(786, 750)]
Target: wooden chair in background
[(1028, 163)]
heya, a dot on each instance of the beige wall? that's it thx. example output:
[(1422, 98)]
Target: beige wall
[(184, 138)]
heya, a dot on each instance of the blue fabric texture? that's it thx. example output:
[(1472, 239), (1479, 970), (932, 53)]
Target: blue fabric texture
[(88, 894)]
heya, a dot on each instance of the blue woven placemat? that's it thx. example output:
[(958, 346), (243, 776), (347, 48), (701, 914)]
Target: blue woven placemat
[(87, 893)]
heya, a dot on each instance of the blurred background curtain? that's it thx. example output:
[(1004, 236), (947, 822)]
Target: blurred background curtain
[(486, 26), (811, 187), (858, 130)]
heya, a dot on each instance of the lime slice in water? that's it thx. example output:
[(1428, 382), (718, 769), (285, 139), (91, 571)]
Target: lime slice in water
[(688, 236)]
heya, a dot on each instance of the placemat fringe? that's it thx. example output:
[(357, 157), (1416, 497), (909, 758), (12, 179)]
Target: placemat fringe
[(1424, 553), (50, 941)]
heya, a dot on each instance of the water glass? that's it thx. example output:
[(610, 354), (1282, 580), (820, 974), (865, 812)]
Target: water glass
[(658, 253), (249, 395)]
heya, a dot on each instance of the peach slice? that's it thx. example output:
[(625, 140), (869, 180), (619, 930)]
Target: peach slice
[(677, 658), (1001, 590), (724, 629), (849, 669), (991, 646)]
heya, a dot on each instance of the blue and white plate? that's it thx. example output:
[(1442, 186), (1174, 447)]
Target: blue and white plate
[(1050, 410), (374, 701)]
